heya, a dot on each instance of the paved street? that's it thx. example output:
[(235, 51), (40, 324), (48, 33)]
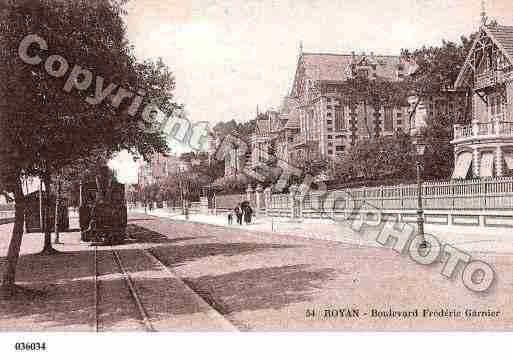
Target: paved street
[(268, 282), (255, 280), (493, 240)]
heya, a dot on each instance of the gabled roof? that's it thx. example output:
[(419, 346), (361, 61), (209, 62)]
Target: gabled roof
[(337, 67), (289, 114), (502, 36), (265, 126)]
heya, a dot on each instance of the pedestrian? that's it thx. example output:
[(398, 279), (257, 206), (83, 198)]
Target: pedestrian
[(238, 214), (230, 217), (248, 212)]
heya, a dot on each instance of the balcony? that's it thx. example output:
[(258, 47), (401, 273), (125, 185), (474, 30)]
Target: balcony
[(485, 130), (488, 79)]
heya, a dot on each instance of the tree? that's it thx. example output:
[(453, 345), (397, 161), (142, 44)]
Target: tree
[(10, 183), (377, 158), (377, 93), (51, 128), (438, 67), (392, 157), (438, 162)]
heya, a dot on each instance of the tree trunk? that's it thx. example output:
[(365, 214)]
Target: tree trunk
[(99, 186), (47, 248), (8, 287), (41, 208), (57, 217)]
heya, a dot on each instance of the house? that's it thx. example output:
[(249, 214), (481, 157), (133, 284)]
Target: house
[(484, 148), (328, 124), (159, 168)]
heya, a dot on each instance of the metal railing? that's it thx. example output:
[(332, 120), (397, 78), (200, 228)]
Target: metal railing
[(483, 129), (488, 79)]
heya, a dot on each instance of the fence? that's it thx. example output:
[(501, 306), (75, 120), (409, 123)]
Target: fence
[(495, 194), (478, 202), (6, 217), (226, 202)]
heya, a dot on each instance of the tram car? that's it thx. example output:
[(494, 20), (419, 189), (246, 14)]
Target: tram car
[(103, 216)]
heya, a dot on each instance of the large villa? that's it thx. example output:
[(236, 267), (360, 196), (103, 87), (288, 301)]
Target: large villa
[(484, 148)]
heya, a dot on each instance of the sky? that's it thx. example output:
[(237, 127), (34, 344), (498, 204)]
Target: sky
[(231, 56)]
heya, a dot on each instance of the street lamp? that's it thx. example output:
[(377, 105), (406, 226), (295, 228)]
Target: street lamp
[(420, 147), (417, 126)]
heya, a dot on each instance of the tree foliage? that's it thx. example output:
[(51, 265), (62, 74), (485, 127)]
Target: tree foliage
[(50, 128), (393, 157), (438, 66)]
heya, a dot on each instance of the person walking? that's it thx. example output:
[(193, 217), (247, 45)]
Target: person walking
[(238, 213), (248, 212), (230, 217)]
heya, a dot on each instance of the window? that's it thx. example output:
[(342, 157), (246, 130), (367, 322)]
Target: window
[(399, 122), (330, 137), (495, 104), (328, 107), (330, 152), (328, 99), (389, 123), (340, 124), (399, 114), (340, 136), (340, 148), (328, 114), (330, 129), (330, 144), (363, 73), (330, 122)]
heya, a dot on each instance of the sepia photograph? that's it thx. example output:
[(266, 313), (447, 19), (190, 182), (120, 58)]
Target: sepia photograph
[(298, 170)]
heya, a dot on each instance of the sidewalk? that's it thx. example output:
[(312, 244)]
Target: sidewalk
[(62, 289), (470, 239), (63, 285)]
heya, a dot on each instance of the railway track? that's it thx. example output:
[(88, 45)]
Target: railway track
[(108, 288), (142, 315)]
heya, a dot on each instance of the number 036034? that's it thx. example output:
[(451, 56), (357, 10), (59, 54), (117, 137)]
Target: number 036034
[(30, 346)]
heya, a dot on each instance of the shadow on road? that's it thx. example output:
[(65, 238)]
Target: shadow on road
[(261, 288), (173, 256), (138, 234)]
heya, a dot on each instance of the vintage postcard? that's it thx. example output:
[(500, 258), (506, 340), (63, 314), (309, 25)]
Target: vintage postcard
[(255, 166)]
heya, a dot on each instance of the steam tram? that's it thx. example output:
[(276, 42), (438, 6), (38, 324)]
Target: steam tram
[(103, 212)]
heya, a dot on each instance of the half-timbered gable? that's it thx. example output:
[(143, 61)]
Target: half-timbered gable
[(484, 148)]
